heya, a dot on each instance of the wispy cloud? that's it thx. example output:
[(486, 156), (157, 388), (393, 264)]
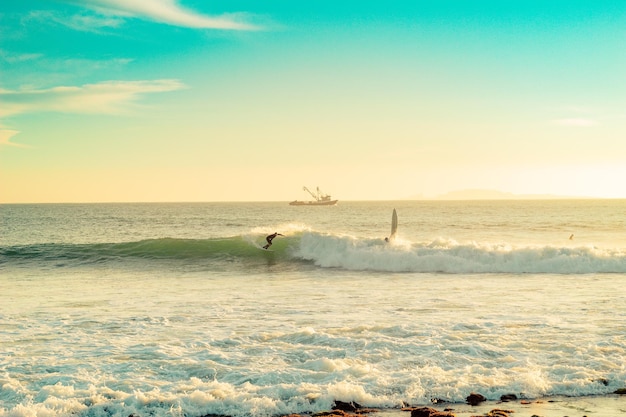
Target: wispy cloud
[(164, 11), (13, 58), (575, 122), (75, 65), (109, 97), (578, 116), (5, 138), (83, 22)]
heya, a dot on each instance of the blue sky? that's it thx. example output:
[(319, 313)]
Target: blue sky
[(164, 100)]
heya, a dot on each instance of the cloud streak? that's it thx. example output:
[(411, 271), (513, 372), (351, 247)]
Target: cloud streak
[(165, 11), (575, 122), (14, 58), (5, 138), (84, 22), (108, 97)]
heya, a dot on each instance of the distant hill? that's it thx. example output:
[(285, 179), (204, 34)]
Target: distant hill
[(477, 194)]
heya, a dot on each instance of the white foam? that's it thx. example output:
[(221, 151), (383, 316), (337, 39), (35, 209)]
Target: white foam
[(448, 256)]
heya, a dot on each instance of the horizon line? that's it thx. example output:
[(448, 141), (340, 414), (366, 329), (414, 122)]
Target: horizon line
[(434, 199)]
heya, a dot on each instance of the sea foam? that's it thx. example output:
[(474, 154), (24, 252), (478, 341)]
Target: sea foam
[(449, 256)]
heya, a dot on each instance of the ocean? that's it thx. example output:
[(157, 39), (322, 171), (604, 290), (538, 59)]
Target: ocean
[(174, 310)]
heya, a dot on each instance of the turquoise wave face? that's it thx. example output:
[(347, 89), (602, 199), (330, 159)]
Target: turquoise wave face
[(166, 249), (307, 249)]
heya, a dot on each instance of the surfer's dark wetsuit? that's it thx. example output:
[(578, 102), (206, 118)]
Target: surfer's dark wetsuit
[(270, 238)]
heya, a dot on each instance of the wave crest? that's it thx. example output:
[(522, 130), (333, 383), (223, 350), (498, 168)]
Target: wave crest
[(448, 256), (335, 251)]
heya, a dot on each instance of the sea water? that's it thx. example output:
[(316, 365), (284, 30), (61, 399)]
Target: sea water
[(174, 310)]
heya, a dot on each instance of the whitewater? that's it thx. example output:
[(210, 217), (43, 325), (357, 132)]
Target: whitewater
[(174, 310)]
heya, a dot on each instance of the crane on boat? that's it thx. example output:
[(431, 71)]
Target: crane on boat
[(321, 199), (317, 196)]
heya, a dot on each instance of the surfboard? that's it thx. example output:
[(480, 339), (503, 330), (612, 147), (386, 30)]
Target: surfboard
[(394, 224)]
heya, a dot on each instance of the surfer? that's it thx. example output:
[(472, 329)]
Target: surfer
[(270, 238)]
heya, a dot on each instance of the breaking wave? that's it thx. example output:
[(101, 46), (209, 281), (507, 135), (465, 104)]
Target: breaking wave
[(448, 256), (335, 251)]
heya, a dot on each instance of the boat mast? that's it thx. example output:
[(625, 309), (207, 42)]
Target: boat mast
[(316, 197)]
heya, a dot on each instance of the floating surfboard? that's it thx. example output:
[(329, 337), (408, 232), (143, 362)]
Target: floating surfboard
[(394, 225)]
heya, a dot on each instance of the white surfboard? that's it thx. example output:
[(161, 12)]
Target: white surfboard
[(394, 225)]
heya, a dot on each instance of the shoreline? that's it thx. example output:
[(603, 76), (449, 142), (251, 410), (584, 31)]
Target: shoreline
[(608, 405)]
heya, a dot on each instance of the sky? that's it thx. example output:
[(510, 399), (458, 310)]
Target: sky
[(199, 100)]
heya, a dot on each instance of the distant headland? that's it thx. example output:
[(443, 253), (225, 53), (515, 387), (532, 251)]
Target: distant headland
[(480, 194)]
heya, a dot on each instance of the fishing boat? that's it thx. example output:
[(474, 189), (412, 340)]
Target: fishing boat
[(321, 199)]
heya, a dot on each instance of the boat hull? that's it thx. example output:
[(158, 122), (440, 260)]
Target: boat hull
[(313, 203)]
